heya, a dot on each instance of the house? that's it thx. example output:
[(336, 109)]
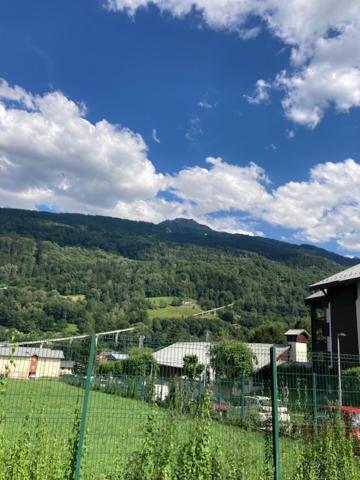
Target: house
[(67, 367), (26, 362), (187, 302), (112, 356), (335, 309), (171, 358)]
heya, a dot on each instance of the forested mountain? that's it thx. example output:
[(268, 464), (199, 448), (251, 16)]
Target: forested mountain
[(69, 273)]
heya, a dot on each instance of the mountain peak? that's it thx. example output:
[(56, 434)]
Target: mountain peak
[(184, 224)]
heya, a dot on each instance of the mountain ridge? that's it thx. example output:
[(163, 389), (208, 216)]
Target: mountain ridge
[(113, 234)]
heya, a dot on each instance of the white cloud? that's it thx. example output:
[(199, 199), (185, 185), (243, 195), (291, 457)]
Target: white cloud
[(155, 136), (221, 186), (290, 133), (231, 224), (326, 207), (206, 105), (261, 93), (16, 94), (194, 130), (323, 35), (271, 147), (50, 154)]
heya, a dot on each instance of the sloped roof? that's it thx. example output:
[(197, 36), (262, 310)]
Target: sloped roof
[(262, 352), (30, 352), (348, 275), (297, 331), (314, 295), (173, 355)]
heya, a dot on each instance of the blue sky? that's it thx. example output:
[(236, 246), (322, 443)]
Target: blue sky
[(144, 97)]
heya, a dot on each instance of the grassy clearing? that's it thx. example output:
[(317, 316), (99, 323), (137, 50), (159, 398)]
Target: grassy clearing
[(115, 425), (156, 301), (162, 308)]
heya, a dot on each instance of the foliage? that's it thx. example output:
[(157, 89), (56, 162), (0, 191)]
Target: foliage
[(192, 369), (268, 332), (64, 274), (351, 379), (231, 359), (140, 363)]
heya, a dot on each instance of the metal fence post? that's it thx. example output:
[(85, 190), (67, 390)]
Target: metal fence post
[(314, 396), (89, 371), (275, 415)]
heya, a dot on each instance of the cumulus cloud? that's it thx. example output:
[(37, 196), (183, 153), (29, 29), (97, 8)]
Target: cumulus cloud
[(323, 37), (49, 151), (220, 186), (51, 154)]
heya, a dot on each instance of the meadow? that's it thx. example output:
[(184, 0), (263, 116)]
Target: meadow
[(115, 425), (162, 308), (128, 439)]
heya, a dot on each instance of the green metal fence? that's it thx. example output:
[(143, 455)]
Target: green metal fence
[(122, 406)]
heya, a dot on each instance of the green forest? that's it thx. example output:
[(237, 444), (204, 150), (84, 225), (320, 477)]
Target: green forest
[(69, 274)]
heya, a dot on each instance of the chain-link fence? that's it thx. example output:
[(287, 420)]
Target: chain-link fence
[(118, 405)]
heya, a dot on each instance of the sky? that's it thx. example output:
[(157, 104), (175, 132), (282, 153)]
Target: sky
[(241, 114)]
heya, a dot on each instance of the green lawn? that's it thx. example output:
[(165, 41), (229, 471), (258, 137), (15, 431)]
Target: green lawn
[(115, 425), (170, 311)]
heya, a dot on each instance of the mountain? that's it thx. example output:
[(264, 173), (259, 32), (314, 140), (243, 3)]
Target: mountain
[(132, 238), (71, 273)]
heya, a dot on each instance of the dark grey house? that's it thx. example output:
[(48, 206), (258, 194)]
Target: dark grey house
[(335, 309)]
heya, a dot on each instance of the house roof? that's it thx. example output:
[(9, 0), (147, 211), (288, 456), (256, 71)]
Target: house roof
[(30, 352), (117, 356), (349, 275), (297, 331), (262, 352), (173, 355), (315, 295)]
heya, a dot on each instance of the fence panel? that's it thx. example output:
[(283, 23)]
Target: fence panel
[(149, 398), (324, 412), (190, 410), (40, 407)]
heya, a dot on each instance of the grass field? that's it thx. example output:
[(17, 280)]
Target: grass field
[(115, 425), (170, 311)]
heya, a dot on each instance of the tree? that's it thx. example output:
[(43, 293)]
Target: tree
[(192, 369), (270, 332), (231, 359), (140, 363)]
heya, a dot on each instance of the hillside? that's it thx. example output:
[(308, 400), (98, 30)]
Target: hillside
[(66, 273)]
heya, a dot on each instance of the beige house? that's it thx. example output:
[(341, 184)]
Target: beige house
[(25, 362)]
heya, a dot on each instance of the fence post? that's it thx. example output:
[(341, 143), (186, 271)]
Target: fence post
[(242, 397), (275, 415), (314, 396), (89, 371)]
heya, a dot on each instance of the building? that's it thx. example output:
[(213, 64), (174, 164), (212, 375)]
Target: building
[(335, 309), (171, 358), (112, 356), (297, 339), (25, 362), (67, 367)]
